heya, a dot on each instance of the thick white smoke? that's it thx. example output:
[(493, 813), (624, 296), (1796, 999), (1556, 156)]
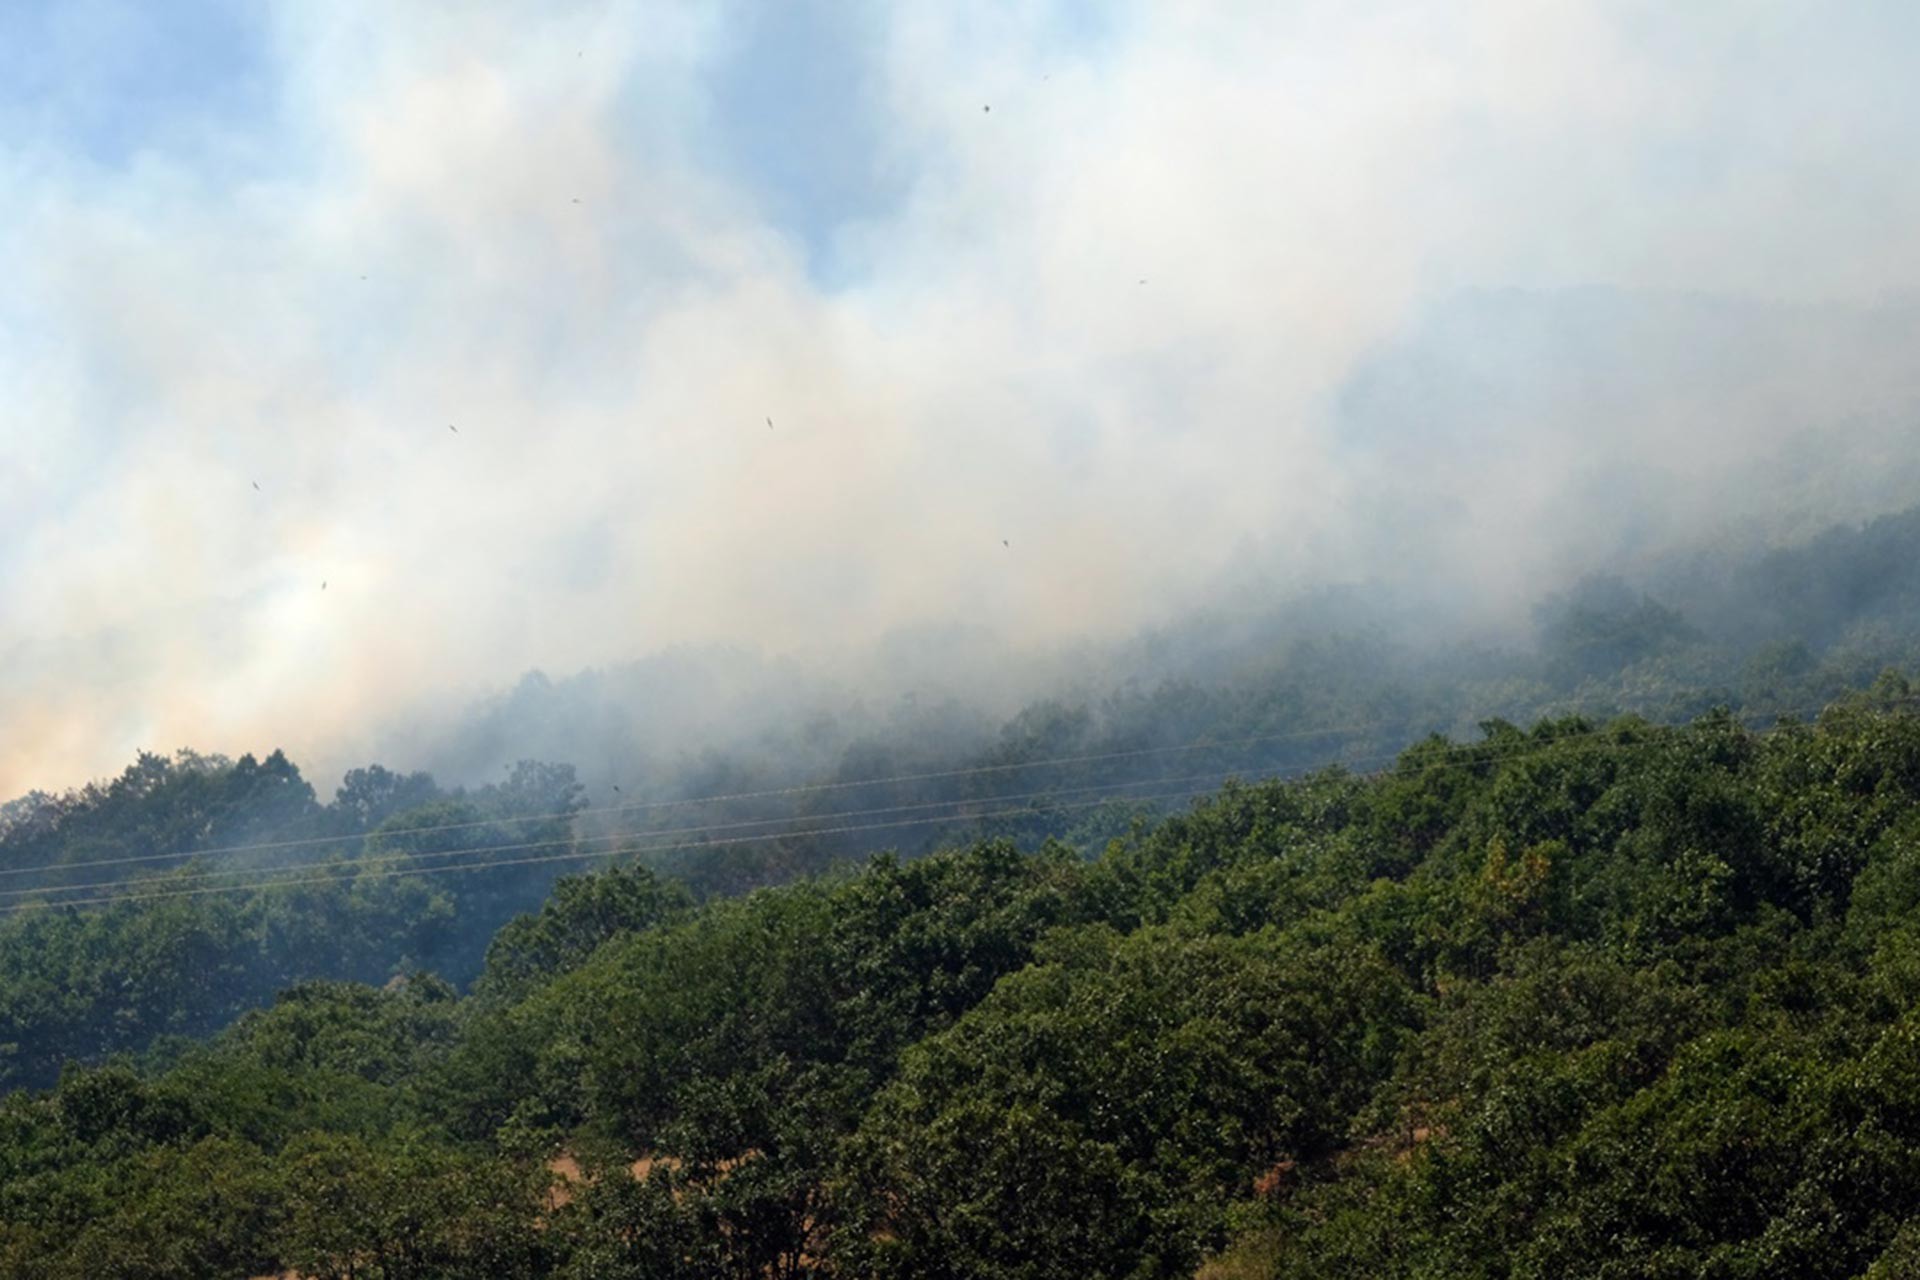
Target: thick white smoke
[(1115, 308)]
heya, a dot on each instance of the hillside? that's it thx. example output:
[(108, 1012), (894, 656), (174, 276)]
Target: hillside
[(1578, 1000), (169, 900), (1054, 641)]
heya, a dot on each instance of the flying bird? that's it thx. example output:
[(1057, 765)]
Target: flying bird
[(769, 424), (256, 486), (986, 108), (323, 584), (1005, 543), (453, 428)]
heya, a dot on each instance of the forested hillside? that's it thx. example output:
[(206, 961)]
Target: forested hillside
[(1583, 999), (171, 945), (198, 885), (1367, 667), (1054, 641), (202, 885)]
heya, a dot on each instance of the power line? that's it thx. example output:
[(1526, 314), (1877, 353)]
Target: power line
[(692, 832), (1481, 753), (1477, 753), (20, 908), (798, 789), (646, 805)]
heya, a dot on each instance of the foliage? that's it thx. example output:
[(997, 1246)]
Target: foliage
[(1593, 998)]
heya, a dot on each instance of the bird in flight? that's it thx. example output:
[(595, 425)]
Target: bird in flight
[(453, 428), (985, 109), (323, 584), (256, 486), (1005, 543), (769, 424)]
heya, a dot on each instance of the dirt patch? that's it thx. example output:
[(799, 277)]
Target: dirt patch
[(569, 1174)]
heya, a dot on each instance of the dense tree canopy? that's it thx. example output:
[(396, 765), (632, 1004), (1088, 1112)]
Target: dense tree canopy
[(1624, 984), (1584, 999)]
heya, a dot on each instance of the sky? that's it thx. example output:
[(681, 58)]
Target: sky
[(356, 358)]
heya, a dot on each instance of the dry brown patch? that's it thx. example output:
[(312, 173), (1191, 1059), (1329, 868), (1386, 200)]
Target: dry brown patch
[(568, 1172), (1277, 1181)]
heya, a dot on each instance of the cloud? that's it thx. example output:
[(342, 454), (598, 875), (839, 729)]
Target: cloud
[(589, 238)]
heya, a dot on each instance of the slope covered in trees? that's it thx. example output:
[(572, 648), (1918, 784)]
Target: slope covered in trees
[(224, 881), (1586, 999), (166, 945)]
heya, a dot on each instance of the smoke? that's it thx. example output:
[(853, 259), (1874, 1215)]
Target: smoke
[(1069, 320)]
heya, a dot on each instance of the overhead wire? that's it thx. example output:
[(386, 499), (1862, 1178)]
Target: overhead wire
[(1489, 751), (1203, 744), (350, 874), (693, 833), (731, 797), (1480, 752)]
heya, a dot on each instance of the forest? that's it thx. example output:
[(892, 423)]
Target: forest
[(1037, 641), (1199, 979), (1606, 999)]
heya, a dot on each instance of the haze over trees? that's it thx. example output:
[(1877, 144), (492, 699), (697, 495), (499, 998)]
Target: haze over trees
[(1578, 999), (1619, 992), (219, 882), (1036, 641)]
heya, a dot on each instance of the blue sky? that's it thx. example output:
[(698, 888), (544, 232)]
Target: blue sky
[(795, 97), (796, 108), (290, 244), (102, 80)]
